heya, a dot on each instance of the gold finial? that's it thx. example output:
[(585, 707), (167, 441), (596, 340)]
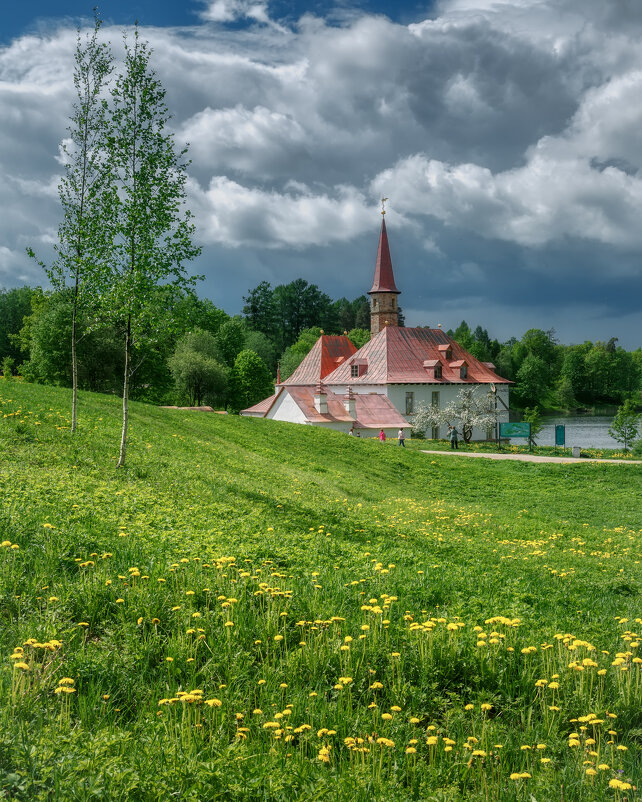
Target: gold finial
[(383, 205)]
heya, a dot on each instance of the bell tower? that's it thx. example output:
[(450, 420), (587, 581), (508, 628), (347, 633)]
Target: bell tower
[(383, 294)]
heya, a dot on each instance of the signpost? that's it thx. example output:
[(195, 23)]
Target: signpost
[(515, 429), (521, 429)]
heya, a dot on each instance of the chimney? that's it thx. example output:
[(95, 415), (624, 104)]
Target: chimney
[(350, 404), (320, 399)]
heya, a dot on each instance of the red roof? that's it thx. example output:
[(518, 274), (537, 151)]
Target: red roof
[(397, 356), (373, 410), (328, 352), (261, 409), (384, 280)]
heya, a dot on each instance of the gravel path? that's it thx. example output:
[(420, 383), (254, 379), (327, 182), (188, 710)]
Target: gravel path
[(530, 457)]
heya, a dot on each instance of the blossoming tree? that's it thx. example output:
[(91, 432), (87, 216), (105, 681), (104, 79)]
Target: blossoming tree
[(473, 408)]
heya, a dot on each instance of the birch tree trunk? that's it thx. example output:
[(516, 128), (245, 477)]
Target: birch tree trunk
[(123, 438), (74, 372)]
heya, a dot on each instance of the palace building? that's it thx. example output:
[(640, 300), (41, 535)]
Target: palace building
[(381, 384)]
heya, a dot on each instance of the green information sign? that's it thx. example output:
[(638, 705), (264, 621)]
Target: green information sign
[(514, 430)]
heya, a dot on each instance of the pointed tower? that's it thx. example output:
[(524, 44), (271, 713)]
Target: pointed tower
[(383, 295)]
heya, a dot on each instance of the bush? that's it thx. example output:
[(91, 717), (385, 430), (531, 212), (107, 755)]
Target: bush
[(7, 367)]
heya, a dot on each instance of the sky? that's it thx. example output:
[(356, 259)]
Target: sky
[(505, 134)]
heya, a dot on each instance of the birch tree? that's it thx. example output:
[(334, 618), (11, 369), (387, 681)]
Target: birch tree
[(83, 240), (151, 227)]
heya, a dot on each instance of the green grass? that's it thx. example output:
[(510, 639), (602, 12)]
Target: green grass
[(242, 565)]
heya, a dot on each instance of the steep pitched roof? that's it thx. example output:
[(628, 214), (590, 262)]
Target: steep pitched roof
[(326, 355), (397, 356), (384, 280)]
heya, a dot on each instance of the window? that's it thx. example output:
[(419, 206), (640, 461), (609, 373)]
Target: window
[(437, 371), (435, 400), (354, 371), (463, 372), (410, 403)]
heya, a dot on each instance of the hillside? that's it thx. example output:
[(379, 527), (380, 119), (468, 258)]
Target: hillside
[(241, 565)]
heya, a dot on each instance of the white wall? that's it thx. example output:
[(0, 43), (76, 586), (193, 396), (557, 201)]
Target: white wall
[(423, 393), (285, 408)]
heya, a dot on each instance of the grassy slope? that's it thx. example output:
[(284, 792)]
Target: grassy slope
[(554, 545)]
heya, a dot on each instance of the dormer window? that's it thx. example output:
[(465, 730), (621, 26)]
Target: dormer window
[(433, 366), (359, 367), (463, 368), (446, 351)]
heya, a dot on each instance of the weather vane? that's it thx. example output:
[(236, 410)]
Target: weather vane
[(383, 205)]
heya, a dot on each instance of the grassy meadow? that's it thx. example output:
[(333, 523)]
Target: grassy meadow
[(262, 611)]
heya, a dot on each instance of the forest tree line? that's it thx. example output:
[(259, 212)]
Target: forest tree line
[(208, 356)]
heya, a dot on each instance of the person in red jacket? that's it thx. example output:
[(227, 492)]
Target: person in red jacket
[(382, 435)]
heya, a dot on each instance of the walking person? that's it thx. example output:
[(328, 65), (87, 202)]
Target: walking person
[(382, 436), (453, 435), (401, 437)]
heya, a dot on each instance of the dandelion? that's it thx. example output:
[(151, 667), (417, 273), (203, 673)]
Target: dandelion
[(213, 702)]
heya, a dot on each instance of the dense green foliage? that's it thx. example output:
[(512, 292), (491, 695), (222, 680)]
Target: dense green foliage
[(284, 312), (15, 305), (558, 376), (250, 381), (198, 368), (255, 610), (546, 373)]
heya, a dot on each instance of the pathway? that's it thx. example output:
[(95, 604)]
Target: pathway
[(529, 457)]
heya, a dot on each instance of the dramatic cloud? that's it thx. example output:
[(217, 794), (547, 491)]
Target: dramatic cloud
[(506, 135)]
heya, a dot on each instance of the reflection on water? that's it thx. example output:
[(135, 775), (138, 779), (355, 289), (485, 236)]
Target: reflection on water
[(581, 430)]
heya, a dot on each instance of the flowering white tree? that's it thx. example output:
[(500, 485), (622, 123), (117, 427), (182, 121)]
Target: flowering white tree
[(473, 408)]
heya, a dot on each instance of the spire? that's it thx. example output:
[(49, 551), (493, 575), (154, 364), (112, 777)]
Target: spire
[(384, 280)]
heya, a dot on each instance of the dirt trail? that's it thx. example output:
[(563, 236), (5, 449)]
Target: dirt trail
[(530, 457)]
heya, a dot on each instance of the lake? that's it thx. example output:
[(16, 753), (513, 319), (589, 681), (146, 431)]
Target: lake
[(586, 431)]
